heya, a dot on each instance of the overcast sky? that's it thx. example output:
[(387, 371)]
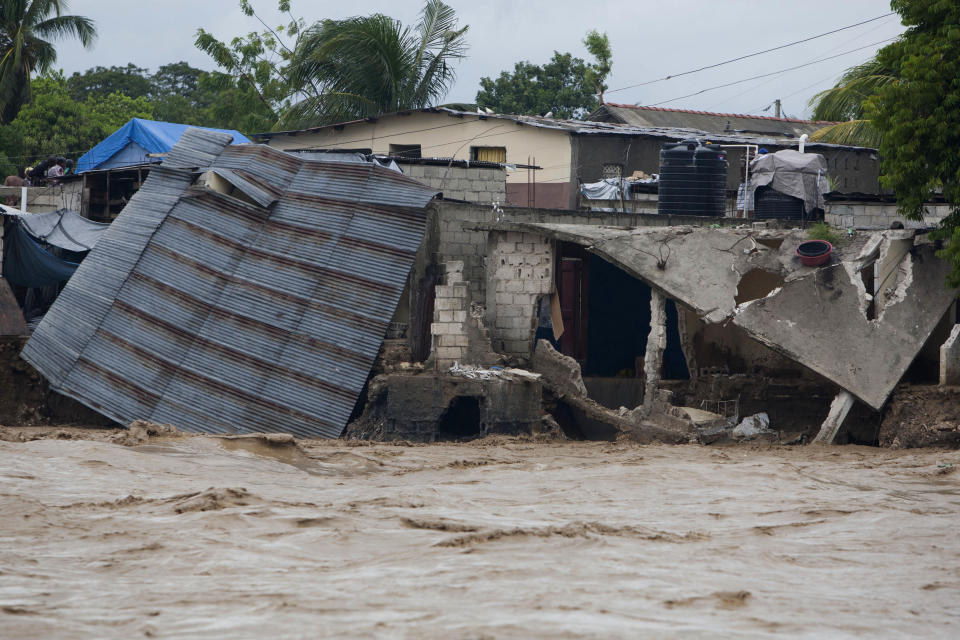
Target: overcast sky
[(650, 40)]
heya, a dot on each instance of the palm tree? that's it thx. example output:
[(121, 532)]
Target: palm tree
[(365, 66), (25, 28), (845, 104)]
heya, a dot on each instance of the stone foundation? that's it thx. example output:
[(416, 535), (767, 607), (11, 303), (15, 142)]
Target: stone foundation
[(433, 406)]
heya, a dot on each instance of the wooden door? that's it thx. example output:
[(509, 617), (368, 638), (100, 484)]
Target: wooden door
[(574, 290)]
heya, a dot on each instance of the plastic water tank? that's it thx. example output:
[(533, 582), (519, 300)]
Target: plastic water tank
[(693, 179), (769, 203)]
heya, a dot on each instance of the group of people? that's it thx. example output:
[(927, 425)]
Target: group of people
[(48, 171)]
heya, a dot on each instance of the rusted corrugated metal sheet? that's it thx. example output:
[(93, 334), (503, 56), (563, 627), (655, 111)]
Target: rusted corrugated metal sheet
[(225, 314)]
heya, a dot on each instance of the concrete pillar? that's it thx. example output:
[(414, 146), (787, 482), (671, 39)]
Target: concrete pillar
[(656, 344), (839, 409), (950, 359)]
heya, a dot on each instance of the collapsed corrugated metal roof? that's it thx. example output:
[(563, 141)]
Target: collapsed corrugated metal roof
[(262, 310)]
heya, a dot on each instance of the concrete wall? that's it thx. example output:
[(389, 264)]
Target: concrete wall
[(442, 135), (950, 359), (450, 310), (484, 185), (452, 236), (423, 408), (879, 215), (519, 272), (67, 195)]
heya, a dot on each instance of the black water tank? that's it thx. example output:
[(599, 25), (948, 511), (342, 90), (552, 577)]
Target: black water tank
[(693, 179), (769, 203)]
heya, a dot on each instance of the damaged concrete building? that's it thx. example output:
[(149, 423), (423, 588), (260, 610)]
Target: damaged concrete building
[(245, 288)]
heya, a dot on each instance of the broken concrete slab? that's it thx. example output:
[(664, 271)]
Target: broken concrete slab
[(819, 316), (818, 320), (582, 417), (561, 373), (700, 267)]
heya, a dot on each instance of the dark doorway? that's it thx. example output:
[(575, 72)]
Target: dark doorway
[(619, 323), (461, 420), (674, 361), (574, 289), (606, 318)]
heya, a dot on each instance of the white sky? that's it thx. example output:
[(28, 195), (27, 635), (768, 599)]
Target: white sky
[(650, 39)]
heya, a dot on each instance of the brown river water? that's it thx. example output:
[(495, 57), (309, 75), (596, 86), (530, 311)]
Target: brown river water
[(197, 537)]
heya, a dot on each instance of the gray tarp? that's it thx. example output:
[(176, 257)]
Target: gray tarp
[(801, 175), (63, 228), (606, 189)]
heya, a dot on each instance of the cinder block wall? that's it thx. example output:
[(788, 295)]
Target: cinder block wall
[(879, 215), (519, 271), (484, 185), (449, 316), (458, 242)]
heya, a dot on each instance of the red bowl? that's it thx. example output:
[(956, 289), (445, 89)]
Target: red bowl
[(813, 253)]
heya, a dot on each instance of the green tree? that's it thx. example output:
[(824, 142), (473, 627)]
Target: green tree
[(598, 45), (365, 66), (560, 86), (567, 86), (919, 116), (255, 76), (181, 93), (130, 80), (53, 123), (25, 28), (235, 106)]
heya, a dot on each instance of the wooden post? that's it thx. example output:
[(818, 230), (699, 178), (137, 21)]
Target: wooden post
[(839, 409), (656, 344)]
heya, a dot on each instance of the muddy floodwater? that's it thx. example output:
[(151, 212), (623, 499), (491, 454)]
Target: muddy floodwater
[(195, 537)]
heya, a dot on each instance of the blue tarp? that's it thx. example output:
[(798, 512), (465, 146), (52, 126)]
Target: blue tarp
[(130, 144), (27, 264)]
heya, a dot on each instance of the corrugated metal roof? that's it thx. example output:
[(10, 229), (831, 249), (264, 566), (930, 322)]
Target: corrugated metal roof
[(583, 127), (715, 123), (220, 316)]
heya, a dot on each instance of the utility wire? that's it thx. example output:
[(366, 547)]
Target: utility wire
[(828, 51), (772, 73), (749, 55)]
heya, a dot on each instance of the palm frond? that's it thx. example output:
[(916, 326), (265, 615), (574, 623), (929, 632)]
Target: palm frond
[(66, 26), (376, 58), (860, 133), (327, 108), (844, 101)]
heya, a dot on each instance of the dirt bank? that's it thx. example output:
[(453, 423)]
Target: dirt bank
[(182, 537), (922, 416)]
